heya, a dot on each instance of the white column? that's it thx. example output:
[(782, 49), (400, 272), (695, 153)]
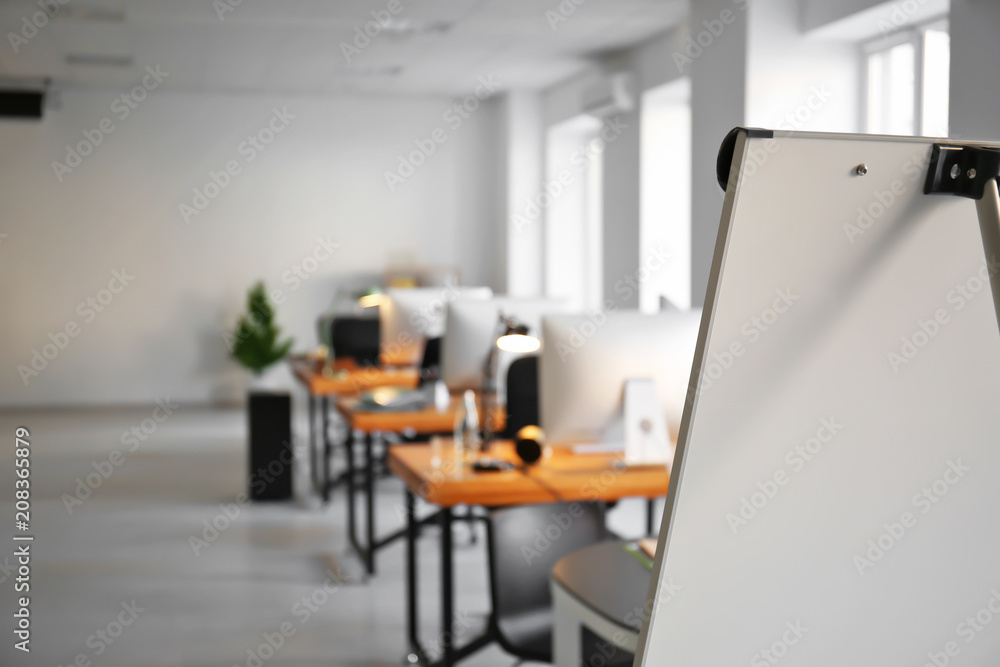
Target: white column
[(718, 99), (621, 237), (522, 175)]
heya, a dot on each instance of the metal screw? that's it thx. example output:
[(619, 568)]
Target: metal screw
[(955, 171), (971, 173), (862, 169)]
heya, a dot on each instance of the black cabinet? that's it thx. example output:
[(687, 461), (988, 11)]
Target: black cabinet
[(270, 464)]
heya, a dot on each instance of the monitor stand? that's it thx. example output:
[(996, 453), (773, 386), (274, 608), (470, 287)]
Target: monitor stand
[(641, 426)]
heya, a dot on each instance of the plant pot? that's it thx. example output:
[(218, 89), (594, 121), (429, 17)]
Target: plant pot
[(269, 415)]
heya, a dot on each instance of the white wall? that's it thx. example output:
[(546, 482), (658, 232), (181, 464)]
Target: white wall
[(665, 197), (322, 177), (521, 156), (568, 273), (865, 19), (797, 81), (975, 49), (759, 70), (718, 98), (817, 13), (621, 204), (652, 65), (749, 63)]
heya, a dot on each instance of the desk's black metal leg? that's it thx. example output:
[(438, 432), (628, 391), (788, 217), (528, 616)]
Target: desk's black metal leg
[(365, 552), (650, 505), (370, 504), (313, 472), (451, 653), (416, 653), (325, 463), (447, 590), (351, 530)]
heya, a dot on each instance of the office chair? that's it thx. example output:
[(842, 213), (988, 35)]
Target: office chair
[(430, 363), (356, 338), (519, 580), (522, 395)]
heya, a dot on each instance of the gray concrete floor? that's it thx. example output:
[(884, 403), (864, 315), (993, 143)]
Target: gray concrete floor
[(129, 543)]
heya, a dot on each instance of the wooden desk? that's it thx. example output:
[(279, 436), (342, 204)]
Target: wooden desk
[(400, 358), (427, 421), (344, 377), (563, 476)]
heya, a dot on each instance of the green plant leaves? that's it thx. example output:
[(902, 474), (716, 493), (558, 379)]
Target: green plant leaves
[(255, 341)]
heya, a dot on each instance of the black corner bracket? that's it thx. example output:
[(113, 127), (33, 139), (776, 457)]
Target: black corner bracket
[(961, 170), (724, 161)]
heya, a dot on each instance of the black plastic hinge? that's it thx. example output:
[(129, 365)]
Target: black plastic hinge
[(724, 160), (961, 170)]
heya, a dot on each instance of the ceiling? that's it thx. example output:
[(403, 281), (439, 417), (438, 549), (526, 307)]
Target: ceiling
[(297, 46)]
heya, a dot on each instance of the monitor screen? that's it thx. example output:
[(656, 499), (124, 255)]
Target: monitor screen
[(410, 316), (472, 330), (588, 358)]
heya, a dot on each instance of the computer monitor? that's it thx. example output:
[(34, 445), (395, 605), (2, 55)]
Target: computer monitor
[(355, 338), (588, 358), (472, 330), (410, 316)]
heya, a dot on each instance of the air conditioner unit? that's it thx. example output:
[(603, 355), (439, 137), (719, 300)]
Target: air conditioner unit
[(613, 94)]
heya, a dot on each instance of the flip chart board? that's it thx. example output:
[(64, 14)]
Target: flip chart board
[(835, 496)]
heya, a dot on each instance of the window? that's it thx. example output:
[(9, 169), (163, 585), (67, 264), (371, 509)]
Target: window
[(573, 212), (665, 196), (908, 82)]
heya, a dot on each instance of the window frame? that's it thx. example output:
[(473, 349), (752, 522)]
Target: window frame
[(914, 35)]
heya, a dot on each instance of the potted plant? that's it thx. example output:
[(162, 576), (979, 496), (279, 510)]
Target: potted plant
[(255, 344), (255, 340)]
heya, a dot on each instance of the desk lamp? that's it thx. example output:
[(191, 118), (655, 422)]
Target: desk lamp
[(516, 338), (513, 338), (371, 297)]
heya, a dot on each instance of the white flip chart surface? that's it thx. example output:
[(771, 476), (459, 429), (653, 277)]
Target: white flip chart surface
[(836, 490)]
